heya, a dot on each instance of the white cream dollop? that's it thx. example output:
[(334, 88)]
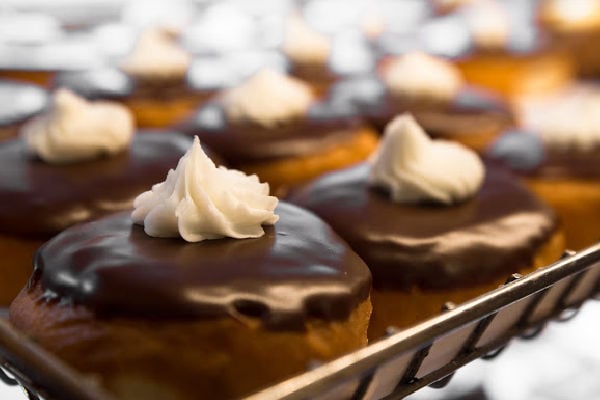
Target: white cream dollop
[(268, 98), (415, 168), (157, 55), (305, 45), (74, 129), (199, 201), (420, 75)]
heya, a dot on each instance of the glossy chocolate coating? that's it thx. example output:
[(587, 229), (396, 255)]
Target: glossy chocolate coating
[(240, 142), (298, 269), (470, 111), (431, 246), (527, 155), (20, 101), (38, 199)]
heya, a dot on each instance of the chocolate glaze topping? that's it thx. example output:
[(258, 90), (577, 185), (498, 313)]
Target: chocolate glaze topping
[(527, 155), (240, 142), (40, 199), (485, 238), (20, 101), (299, 268), (470, 111)]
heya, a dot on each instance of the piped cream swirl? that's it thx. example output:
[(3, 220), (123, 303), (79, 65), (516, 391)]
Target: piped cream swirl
[(74, 129), (157, 55), (268, 98), (415, 168), (419, 75), (199, 201)]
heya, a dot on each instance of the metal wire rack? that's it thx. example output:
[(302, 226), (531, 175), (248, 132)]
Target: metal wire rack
[(391, 368)]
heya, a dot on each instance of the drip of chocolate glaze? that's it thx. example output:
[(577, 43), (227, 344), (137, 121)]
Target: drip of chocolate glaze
[(487, 237), (298, 269), (240, 142), (38, 199)]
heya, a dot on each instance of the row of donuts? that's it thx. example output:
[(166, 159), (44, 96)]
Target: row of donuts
[(210, 275), (443, 96), (181, 298)]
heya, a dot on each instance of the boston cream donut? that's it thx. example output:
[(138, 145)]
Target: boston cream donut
[(432, 223), (76, 162), (272, 125), (157, 71), (557, 152), (435, 92), (210, 289)]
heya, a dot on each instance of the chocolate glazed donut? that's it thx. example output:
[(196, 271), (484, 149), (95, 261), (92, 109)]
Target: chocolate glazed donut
[(290, 152), (473, 117), (175, 320), (430, 254), (297, 270), (565, 176), (243, 142)]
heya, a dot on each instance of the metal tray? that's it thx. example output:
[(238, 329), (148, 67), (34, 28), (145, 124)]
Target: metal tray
[(391, 368)]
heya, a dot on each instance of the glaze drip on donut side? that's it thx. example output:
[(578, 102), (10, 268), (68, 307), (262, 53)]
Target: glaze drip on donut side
[(298, 269)]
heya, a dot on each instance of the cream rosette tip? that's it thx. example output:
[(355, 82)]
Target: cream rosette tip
[(199, 201), (416, 169)]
